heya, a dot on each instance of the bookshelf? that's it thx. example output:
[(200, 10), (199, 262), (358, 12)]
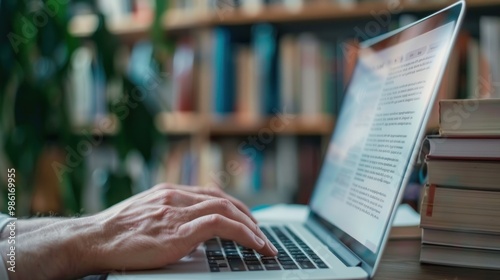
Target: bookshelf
[(200, 133), (178, 21)]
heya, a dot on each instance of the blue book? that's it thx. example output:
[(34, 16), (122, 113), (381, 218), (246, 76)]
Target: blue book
[(257, 163), (265, 46), (223, 86), (329, 78)]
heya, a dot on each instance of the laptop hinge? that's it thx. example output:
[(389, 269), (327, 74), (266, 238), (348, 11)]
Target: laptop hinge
[(334, 245)]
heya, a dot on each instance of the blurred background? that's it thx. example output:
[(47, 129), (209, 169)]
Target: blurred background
[(100, 100)]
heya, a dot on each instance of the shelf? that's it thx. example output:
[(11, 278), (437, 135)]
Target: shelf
[(178, 123), (85, 25), (107, 125), (177, 20), (190, 123), (284, 125)]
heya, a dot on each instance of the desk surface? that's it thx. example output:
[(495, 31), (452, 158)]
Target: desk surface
[(401, 261)]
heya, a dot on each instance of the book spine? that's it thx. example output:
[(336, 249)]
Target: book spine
[(264, 40)]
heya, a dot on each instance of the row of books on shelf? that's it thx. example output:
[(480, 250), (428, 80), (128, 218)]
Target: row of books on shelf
[(474, 70), (306, 73), (246, 166), (460, 213), (298, 74)]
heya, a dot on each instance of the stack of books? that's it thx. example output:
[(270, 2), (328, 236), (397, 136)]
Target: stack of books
[(460, 213)]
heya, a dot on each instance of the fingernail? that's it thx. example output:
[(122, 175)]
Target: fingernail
[(259, 241)]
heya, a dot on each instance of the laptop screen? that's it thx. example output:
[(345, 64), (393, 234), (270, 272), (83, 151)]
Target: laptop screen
[(386, 104)]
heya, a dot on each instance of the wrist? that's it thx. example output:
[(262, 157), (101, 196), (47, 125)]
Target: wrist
[(80, 248)]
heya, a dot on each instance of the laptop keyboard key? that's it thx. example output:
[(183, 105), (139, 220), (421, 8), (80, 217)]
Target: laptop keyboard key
[(212, 247), (282, 255), (306, 265), (272, 261), (214, 269), (254, 267), (215, 258), (322, 265), (289, 266), (319, 263), (272, 267), (287, 262), (214, 253), (236, 265)]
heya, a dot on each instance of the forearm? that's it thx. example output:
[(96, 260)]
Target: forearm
[(29, 225), (56, 251)]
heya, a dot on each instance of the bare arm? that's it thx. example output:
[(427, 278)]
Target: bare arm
[(54, 251), (29, 225), (150, 230)]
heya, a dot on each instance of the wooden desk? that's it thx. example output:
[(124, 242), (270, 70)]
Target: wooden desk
[(401, 261)]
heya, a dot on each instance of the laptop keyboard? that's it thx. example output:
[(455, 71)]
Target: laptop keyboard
[(293, 253)]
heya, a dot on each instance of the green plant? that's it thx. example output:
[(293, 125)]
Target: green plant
[(35, 54), (35, 51)]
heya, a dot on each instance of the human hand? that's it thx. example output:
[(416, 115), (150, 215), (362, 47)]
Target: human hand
[(162, 225)]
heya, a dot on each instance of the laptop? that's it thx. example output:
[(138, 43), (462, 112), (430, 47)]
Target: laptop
[(362, 178)]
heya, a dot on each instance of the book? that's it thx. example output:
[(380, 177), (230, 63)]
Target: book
[(265, 47), (457, 256), (473, 66), (490, 43), (289, 68), (464, 173), (461, 239), (346, 59), (247, 99), (459, 209), (329, 70), (182, 83), (286, 174), (309, 165), (310, 75), (467, 117), (223, 72), (462, 148)]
